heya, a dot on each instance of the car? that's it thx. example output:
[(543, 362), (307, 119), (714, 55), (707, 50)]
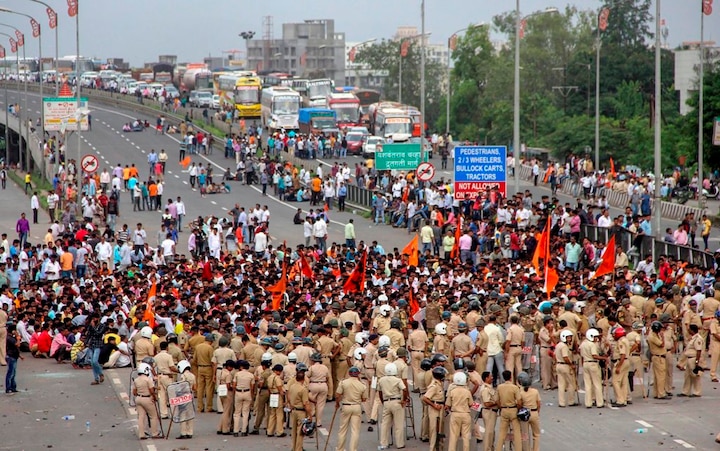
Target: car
[(171, 91), (156, 88), (372, 144), (132, 87), (354, 143), (428, 145), (200, 99), (362, 130), (215, 102)]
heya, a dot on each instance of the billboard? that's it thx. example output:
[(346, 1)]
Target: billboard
[(478, 168), (61, 114), (398, 156)]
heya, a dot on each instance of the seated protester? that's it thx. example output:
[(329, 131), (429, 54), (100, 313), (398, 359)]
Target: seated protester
[(60, 348), (107, 349), (126, 127), (44, 342), (298, 219), (80, 355), (120, 357), (228, 175)]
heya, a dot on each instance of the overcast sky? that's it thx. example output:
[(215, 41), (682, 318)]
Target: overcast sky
[(139, 30)]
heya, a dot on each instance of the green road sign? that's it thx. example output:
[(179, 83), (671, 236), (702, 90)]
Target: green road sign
[(399, 157)]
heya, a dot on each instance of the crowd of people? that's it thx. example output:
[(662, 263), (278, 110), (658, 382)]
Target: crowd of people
[(279, 331)]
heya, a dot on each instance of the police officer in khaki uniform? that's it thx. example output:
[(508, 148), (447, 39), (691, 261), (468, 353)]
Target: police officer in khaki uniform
[(546, 336), (592, 376), (173, 348), (380, 365), (186, 375), (143, 345), (328, 349), (225, 378), (714, 335), (262, 396), (621, 367), (203, 359), (656, 342), (692, 386), (489, 399), (350, 394), (510, 401), (318, 376), (145, 398), (481, 344), (422, 386), (565, 369), (416, 345), (434, 399), (244, 387), (461, 346), (276, 388), (221, 355), (636, 365), (299, 403), (531, 401), (165, 371), (513, 346), (393, 394), (458, 403), (397, 339)]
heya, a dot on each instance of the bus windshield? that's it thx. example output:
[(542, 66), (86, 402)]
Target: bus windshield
[(323, 122), (318, 89), (286, 105), (397, 127), (346, 112), (245, 95)]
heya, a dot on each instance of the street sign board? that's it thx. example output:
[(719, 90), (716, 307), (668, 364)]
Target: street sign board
[(61, 113), (478, 168), (89, 163), (716, 132), (425, 172), (398, 156)]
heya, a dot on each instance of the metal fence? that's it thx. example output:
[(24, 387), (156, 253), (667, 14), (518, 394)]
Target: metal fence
[(648, 245)]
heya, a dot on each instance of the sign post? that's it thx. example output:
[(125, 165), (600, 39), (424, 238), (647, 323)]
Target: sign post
[(716, 132), (478, 168), (398, 156), (61, 114)]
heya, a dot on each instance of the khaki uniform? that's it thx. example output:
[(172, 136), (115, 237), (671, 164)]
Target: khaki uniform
[(243, 382), (422, 387), (461, 346), (432, 314), (341, 365), (354, 392), (276, 419), (531, 401), (481, 355), (392, 389), (459, 402), (297, 398), (146, 406), (657, 352), (547, 363), (381, 324), (369, 371), (397, 340), (263, 395), (187, 427), (453, 323), (489, 399), (669, 333), (303, 354), (220, 356), (379, 374), (508, 398), (565, 375), (175, 352), (203, 359), (3, 337), (714, 348), (326, 347), (513, 358), (226, 378), (143, 348), (441, 345), (591, 374), (692, 385), (164, 364), (350, 316), (636, 364), (620, 372), (318, 380)]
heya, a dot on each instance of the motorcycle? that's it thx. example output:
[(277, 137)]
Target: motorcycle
[(681, 194), (712, 193)]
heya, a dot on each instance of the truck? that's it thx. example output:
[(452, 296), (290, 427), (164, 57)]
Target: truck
[(317, 120)]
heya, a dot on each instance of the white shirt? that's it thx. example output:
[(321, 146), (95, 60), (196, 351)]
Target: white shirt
[(123, 360), (168, 246), (307, 229), (495, 339), (103, 250), (180, 207), (260, 242), (604, 221), (320, 228), (34, 202)]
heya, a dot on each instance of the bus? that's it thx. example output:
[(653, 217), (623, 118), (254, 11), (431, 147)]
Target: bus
[(390, 122), (367, 97), (347, 108), (317, 92), (300, 85), (270, 79), (247, 96), (280, 107)]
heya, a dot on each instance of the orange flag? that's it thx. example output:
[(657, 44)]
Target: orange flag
[(541, 247), (608, 261), (455, 253), (414, 306), (612, 167), (186, 162), (149, 316), (551, 280), (278, 290), (412, 249), (305, 268), (356, 281)]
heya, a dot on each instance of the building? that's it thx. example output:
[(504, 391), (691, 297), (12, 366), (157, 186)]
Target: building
[(311, 49), (361, 75), (687, 66)]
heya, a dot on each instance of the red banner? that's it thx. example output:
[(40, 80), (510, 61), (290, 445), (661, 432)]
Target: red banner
[(72, 7), (2, 52), (52, 16), (35, 27), (707, 7), (13, 45), (453, 42), (603, 19), (351, 54), (404, 47), (20, 39), (523, 24)]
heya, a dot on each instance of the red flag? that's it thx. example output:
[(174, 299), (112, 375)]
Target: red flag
[(523, 24), (612, 167), (305, 268), (52, 16), (603, 19), (414, 306), (455, 253), (404, 47), (541, 247), (20, 38), (35, 27), (13, 45), (707, 7), (72, 7), (452, 42), (2, 52), (207, 272), (608, 261), (356, 280), (413, 249), (149, 315), (278, 290), (351, 54)]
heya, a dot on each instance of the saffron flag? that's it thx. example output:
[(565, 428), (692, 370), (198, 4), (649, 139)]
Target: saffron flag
[(149, 316), (278, 290), (305, 268), (551, 280), (607, 266), (414, 306), (412, 249), (356, 280), (541, 247), (186, 162), (612, 168), (455, 253)]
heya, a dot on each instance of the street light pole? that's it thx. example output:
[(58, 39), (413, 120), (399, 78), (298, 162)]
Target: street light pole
[(422, 81), (78, 119), (53, 24), (516, 100), (701, 106), (657, 210), (598, 43), (450, 50)]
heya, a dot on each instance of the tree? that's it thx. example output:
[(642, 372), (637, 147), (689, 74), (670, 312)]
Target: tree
[(688, 124)]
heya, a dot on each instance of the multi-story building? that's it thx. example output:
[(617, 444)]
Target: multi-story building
[(687, 66), (310, 49)]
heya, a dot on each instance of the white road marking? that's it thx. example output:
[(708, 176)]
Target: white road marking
[(185, 182), (116, 381), (224, 208), (644, 423), (152, 448), (683, 443), (323, 431), (177, 176), (132, 410), (213, 202)]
